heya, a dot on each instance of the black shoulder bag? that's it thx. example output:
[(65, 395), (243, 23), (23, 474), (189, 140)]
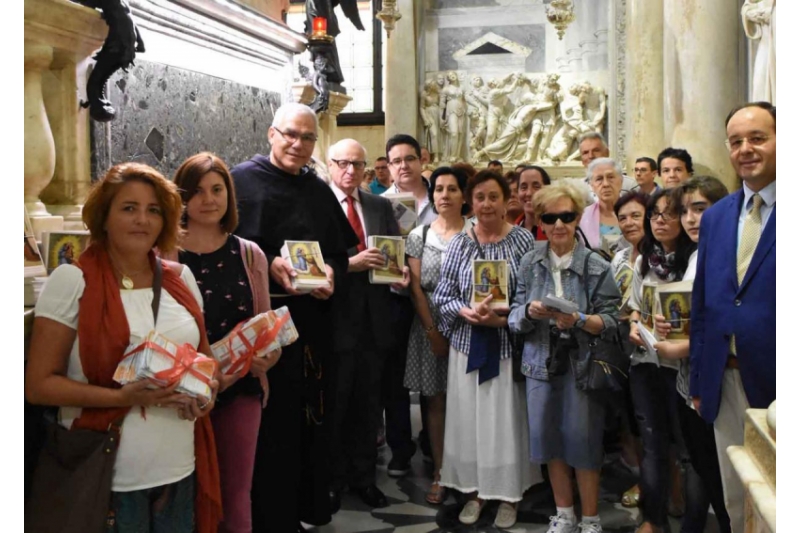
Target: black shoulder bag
[(609, 364), (71, 487)]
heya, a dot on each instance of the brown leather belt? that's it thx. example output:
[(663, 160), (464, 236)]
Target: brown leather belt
[(732, 362)]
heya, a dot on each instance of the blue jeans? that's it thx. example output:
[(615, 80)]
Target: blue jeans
[(163, 509)]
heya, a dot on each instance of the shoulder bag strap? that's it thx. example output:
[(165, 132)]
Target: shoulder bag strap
[(157, 276), (425, 229), (477, 243)]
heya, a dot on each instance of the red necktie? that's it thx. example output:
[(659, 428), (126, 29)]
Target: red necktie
[(355, 223)]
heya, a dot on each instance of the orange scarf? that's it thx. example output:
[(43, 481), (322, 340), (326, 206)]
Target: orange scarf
[(104, 336)]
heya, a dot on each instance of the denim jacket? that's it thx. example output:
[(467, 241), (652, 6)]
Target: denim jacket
[(534, 281)]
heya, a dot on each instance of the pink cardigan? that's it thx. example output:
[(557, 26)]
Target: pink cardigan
[(257, 272), (590, 224)]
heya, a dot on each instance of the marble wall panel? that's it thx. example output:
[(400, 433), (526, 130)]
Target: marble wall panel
[(452, 40), (166, 114)]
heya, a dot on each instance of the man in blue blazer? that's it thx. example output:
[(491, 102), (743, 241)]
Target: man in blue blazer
[(733, 300)]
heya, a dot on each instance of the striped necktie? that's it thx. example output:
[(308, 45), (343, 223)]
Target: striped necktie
[(751, 232)]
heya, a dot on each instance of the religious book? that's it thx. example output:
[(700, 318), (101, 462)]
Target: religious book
[(306, 259), (393, 250), (63, 247), (649, 305), (611, 244), (624, 279), (34, 265), (404, 206), (490, 278), (649, 339), (675, 300), (561, 305)]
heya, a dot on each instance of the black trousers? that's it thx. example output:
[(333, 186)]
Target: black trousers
[(356, 411), (396, 399)]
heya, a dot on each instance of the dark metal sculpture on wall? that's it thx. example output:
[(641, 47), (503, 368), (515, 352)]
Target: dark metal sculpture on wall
[(322, 28), (118, 52)]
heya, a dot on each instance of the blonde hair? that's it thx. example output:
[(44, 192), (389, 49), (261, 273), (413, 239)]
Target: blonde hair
[(555, 192)]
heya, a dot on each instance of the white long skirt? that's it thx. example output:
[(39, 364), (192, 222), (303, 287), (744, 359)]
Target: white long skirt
[(486, 434)]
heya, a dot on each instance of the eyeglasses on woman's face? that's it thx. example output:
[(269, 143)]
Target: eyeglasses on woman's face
[(666, 216), (566, 217)]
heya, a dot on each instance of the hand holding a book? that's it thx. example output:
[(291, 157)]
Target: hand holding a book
[(323, 293), (663, 328), (482, 314), (403, 285), (194, 409), (368, 259), (137, 393), (538, 311), (282, 272), (634, 336)]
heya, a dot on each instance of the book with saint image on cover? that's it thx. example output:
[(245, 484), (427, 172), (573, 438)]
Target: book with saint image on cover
[(393, 250), (675, 301), (612, 243), (649, 307), (404, 207), (490, 277), (34, 265), (63, 247), (624, 279), (306, 259)]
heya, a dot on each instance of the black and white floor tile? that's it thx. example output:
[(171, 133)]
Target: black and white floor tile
[(408, 511)]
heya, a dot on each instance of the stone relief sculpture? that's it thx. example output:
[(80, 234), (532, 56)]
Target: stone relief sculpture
[(758, 18), (454, 112), (520, 118), (118, 52), (431, 118)]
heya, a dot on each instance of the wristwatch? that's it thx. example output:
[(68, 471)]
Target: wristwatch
[(581, 320)]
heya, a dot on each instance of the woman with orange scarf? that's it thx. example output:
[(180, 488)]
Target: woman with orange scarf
[(165, 472)]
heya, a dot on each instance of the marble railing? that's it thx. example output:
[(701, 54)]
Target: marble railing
[(755, 464)]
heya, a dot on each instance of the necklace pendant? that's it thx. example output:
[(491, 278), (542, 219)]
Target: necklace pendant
[(127, 283)]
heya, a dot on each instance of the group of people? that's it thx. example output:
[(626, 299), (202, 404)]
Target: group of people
[(503, 377)]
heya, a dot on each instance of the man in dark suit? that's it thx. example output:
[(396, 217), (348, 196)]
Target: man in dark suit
[(365, 331), (733, 300)]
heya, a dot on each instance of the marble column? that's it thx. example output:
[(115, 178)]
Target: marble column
[(400, 104), (328, 126), (40, 152), (701, 80), (645, 71)]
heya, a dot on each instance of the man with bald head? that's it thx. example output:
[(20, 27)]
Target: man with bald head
[(365, 332), (281, 198)]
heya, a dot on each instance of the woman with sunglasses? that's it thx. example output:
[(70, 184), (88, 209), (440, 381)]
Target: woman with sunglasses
[(703, 478), (565, 423), (663, 258)]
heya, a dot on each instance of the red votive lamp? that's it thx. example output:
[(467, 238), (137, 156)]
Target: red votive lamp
[(320, 26)]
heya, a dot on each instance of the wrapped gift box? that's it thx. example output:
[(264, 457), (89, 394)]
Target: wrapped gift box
[(164, 363), (256, 337)]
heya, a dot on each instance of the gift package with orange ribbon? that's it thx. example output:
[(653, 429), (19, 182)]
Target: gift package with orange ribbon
[(165, 363), (255, 337)]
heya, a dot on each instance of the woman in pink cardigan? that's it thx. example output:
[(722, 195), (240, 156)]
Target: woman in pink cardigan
[(232, 274), (605, 179)]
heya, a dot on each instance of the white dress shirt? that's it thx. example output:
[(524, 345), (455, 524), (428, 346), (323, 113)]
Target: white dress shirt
[(342, 198), (768, 195)]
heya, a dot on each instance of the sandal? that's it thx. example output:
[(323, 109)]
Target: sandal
[(630, 498), (436, 494)]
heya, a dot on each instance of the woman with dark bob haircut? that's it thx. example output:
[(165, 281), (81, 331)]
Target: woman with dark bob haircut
[(233, 273), (426, 363), (165, 469)]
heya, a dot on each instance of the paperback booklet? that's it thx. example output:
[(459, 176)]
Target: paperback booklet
[(560, 304), (63, 247), (676, 304), (649, 307), (650, 354), (404, 206), (306, 258), (611, 244), (490, 278), (624, 279), (393, 250)]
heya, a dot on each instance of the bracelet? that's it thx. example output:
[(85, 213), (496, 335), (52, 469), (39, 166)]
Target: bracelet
[(428, 330), (527, 312)]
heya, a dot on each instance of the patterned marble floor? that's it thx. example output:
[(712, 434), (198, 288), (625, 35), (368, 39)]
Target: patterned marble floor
[(408, 511)]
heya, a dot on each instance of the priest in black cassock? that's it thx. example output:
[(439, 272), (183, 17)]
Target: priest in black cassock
[(281, 199)]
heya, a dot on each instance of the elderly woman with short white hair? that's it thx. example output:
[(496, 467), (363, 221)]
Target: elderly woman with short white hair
[(565, 419), (599, 219)]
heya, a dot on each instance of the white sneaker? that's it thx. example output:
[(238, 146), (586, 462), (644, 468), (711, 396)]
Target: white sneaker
[(590, 527), (561, 524)]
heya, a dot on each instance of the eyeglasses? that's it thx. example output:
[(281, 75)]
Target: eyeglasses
[(400, 160), (736, 144), (293, 136), (344, 163), (666, 216), (552, 218)]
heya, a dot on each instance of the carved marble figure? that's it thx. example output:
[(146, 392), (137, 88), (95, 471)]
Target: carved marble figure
[(454, 106), (431, 118), (477, 125), (498, 105), (544, 123), (758, 18), (510, 145), (574, 125)]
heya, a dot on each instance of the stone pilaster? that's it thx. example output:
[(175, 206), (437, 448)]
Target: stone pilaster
[(401, 74)]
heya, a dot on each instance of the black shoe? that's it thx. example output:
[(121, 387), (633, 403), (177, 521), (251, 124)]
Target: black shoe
[(371, 495), (335, 496), (398, 467)]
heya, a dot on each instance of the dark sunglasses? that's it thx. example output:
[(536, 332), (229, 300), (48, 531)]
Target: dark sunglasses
[(552, 218)]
